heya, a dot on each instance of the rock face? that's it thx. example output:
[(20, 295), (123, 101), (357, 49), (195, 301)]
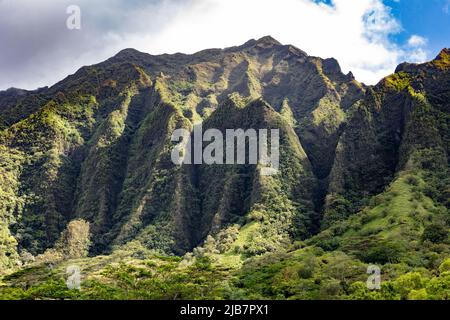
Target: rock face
[(97, 146), (404, 114)]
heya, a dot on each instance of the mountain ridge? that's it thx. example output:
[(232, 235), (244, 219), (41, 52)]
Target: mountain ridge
[(96, 147)]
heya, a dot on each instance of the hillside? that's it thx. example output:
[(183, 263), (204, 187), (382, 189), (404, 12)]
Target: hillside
[(86, 179)]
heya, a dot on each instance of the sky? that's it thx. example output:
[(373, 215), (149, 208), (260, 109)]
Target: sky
[(368, 37)]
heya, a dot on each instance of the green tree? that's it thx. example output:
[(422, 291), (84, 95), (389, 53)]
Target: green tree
[(435, 232)]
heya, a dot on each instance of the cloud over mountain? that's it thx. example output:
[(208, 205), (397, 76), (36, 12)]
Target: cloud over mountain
[(38, 49)]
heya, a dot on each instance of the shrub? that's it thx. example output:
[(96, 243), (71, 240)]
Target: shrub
[(74, 243), (435, 232), (26, 257), (50, 256), (383, 252), (210, 245), (330, 288), (338, 209), (75, 240), (226, 238), (445, 266), (408, 284), (412, 180), (420, 294), (256, 216)]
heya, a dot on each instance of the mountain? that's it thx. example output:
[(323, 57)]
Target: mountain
[(363, 169)]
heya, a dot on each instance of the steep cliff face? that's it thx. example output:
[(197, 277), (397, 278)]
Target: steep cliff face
[(280, 204), (50, 146), (405, 114), (314, 90), (97, 146)]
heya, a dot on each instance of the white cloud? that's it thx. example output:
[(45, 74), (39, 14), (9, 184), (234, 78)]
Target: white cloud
[(416, 49), (417, 41), (355, 32), (446, 7)]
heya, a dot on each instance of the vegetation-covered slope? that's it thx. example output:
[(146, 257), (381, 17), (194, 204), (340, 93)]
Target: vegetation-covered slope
[(363, 179)]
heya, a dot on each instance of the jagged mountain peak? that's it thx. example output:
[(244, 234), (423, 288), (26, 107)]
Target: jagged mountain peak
[(129, 52), (268, 38), (442, 61), (405, 66), (445, 53), (266, 41)]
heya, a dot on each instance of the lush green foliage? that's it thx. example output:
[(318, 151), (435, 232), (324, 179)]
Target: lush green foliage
[(86, 179)]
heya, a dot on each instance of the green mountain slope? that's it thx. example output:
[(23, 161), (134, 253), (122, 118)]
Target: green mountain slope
[(363, 178)]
